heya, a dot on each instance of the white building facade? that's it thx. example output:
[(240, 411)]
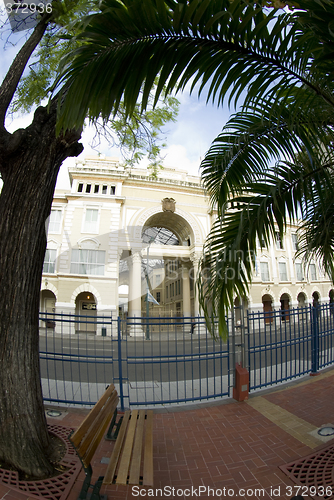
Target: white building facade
[(120, 234)]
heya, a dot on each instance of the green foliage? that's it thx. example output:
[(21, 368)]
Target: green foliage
[(137, 136), (36, 83)]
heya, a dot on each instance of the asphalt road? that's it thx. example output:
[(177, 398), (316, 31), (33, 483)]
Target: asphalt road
[(92, 359)]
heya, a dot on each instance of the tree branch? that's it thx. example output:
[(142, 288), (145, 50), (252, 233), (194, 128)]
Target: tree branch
[(11, 80)]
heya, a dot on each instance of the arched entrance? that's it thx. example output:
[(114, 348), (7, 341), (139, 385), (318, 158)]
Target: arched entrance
[(164, 270), (48, 307), (267, 301), (47, 302), (331, 300), (285, 307), (316, 299), (331, 296), (301, 298), (85, 312)]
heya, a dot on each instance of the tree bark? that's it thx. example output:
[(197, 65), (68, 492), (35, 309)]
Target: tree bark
[(29, 165)]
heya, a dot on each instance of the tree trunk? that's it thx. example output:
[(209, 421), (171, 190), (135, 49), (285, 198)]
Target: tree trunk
[(29, 165)]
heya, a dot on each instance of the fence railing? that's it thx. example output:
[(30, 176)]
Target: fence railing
[(163, 360), (281, 347), (157, 361)]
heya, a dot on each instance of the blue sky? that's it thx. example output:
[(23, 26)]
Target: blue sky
[(187, 140)]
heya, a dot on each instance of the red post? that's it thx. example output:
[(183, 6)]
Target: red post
[(241, 387)]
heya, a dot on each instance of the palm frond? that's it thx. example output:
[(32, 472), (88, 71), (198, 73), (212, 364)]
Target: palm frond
[(229, 47), (252, 141), (267, 204)]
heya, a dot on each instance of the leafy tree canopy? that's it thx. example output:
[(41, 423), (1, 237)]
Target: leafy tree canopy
[(136, 136)]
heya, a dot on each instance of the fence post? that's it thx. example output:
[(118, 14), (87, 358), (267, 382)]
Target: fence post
[(241, 374), (120, 370), (314, 340)]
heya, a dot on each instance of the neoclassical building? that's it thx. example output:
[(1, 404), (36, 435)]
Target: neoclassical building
[(120, 236)]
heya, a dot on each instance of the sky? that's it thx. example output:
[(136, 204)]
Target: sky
[(187, 140)]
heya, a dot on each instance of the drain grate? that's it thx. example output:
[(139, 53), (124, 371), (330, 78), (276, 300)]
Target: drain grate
[(315, 470), (55, 488)]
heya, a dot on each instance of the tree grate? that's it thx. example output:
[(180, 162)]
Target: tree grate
[(54, 488), (314, 473)]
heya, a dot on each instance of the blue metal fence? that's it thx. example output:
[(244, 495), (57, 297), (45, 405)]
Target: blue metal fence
[(161, 361), (156, 361), (284, 345)]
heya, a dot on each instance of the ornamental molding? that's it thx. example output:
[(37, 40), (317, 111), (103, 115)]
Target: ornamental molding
[(168, 205)]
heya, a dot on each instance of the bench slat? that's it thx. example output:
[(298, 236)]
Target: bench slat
[(122, 475), (106, 413), (134, 473), (109, 476), (87, 422), (148, 451)]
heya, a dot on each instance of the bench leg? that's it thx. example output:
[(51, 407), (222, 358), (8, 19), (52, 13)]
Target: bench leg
[(86, 485), (96, 490), (112, 435)]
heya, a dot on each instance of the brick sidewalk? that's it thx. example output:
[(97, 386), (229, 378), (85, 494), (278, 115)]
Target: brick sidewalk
[(229, 445)]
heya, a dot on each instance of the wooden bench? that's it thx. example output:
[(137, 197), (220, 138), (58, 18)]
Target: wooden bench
[(131, 461)]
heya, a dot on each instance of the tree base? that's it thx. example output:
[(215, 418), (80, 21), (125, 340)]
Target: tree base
[(58, 452)]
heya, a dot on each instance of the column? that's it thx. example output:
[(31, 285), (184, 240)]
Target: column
[(197, 310), (186, 291), (135, 295), (200, 327)]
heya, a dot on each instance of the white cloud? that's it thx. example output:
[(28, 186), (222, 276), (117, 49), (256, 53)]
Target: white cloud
[(176, 156)]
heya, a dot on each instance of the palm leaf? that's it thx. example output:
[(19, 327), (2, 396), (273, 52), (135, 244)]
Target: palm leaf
[(217, 42)]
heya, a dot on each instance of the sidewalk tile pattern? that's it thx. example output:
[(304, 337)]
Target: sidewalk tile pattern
[(228, 446)]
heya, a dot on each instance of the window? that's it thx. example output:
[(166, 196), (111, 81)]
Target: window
[(264, 269), (49, 261), (167, 292), (112, 191), (299, 272), (294, 242), (260, 244), (90, 223), (158, 296), (96, 188), (54, 221), (80, 187), (279, 241), (282, 271), (88, 262), (104, 189), (88, 188), (313, 272)]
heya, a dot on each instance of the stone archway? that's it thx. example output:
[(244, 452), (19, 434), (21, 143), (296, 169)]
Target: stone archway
[(85, 312), (267, 301), (285, 307), (315, 298), (301, 299)]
